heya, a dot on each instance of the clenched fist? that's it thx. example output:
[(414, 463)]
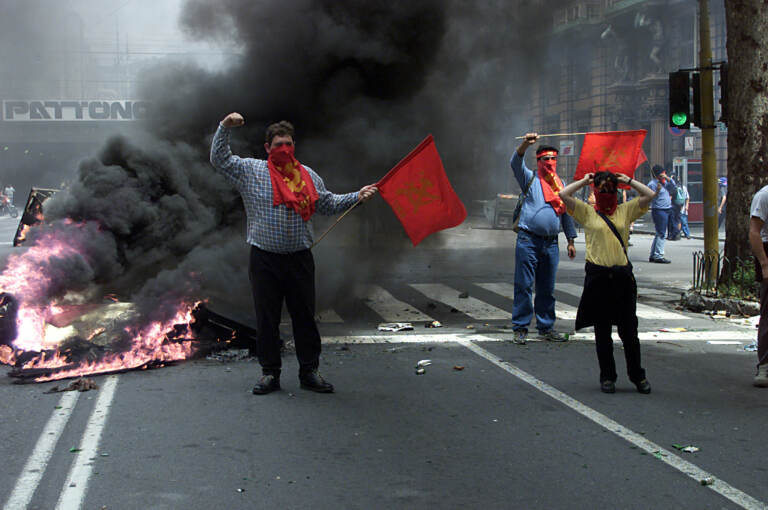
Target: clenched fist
[(234, 119)]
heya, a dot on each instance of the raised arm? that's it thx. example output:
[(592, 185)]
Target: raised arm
[(522, 174), (567, 193), (222, 159), (646, 194)]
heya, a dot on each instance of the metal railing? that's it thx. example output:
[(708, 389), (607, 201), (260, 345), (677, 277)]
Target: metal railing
[(716, 275)]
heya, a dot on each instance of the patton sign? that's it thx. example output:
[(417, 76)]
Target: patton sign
[(74, 111)]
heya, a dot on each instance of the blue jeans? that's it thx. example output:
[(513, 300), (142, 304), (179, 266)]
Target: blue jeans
[(661, 219), (684, 225), (536, 262), (674, 220)]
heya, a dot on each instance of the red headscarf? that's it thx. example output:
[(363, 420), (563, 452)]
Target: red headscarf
[(291, 183), (550, 181)]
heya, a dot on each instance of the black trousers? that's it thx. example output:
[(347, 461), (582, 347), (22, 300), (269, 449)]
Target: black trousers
[(290, 277), (604, 344)]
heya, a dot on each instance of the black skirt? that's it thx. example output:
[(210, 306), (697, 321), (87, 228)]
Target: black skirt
[(609, 296)]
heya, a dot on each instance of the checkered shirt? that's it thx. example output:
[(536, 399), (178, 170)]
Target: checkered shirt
[(276, 229)]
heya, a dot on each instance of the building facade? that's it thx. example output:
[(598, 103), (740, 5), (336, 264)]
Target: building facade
[(611, 60)]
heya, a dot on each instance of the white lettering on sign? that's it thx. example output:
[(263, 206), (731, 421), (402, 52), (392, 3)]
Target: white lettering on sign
[(52, 110)]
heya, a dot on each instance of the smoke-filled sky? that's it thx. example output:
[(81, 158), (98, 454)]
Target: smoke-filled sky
[(363, 82)]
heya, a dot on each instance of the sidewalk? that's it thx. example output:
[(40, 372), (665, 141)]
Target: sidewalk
[(645, 226)]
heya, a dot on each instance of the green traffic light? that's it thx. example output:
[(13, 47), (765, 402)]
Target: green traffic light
[(679, 119)]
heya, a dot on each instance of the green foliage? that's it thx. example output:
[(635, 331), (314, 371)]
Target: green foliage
[(739, 282)]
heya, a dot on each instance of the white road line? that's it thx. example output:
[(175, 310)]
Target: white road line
[(388, 307), (411, 338), (643, 311), (35, 467), (684, 336), (470, 306), (563, 311), (73, 493), (691, 470)]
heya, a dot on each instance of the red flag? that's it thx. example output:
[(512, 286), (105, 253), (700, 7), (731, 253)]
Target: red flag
[(612, 151), (419, 193)]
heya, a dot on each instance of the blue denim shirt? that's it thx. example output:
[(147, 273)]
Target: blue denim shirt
[(537, 216), (664, 199)]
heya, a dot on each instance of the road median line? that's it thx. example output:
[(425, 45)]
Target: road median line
[(34, 469), (691, 470)]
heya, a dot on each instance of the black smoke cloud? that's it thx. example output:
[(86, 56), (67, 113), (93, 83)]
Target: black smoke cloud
[(363, 82)]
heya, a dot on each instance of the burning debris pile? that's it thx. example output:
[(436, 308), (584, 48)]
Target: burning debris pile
[(111, 277)]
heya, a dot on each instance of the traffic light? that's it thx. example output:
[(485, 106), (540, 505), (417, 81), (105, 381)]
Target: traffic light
[(679, 100), (723, 93), (696, 84)]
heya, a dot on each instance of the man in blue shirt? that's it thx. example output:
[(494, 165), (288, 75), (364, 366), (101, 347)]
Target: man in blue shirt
[(280, 195), (536, 252), (661, 211)]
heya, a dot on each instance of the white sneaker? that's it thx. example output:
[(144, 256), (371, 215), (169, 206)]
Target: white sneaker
[(761, 379)]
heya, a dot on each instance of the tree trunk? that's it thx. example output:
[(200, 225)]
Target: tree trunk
[(747, 47)]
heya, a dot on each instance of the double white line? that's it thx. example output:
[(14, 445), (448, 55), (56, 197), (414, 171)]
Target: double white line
[(73, 492)]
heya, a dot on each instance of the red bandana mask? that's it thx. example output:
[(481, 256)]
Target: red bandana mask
[(291, 183), (606, 202), (550, 181)]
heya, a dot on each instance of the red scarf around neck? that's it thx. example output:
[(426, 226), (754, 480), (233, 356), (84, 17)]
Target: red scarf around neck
[(291, 183), (551, 183)]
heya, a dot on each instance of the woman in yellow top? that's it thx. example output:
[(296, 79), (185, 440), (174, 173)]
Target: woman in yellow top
[(610, 292)]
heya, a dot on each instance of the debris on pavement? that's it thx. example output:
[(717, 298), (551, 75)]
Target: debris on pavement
[(672, 330), (454, 310), (719, 314), (395, 326), (420, 370), (458, 367), (433, 324), (464, 295), (751, 347), (687, 449), (707, 481), (470, 326), (230, 355), (82, 384)]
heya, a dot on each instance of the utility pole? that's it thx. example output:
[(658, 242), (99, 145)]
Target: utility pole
[(708, 161)]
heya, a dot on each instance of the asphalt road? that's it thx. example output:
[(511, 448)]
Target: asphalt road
[(517, 427)]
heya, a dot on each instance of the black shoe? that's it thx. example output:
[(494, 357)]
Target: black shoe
[(643, 386), (608, 387), (314, 382), (267, 384), (660, 261)]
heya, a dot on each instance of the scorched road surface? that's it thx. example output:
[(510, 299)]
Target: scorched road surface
[(194, 437)]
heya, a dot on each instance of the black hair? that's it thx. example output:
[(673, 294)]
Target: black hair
[(545, 148), (282, 128), (657, 170), (603, 176)]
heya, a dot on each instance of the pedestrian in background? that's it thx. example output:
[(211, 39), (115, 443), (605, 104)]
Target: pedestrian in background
[(280, 196), (536, 251), (684, 214), (610, 291), (722, 190), (675, 224), (9, 191), (661, 212), (758, 241)]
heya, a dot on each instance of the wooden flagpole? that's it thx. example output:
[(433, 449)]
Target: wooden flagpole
[(334, 224), (554, 134)]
